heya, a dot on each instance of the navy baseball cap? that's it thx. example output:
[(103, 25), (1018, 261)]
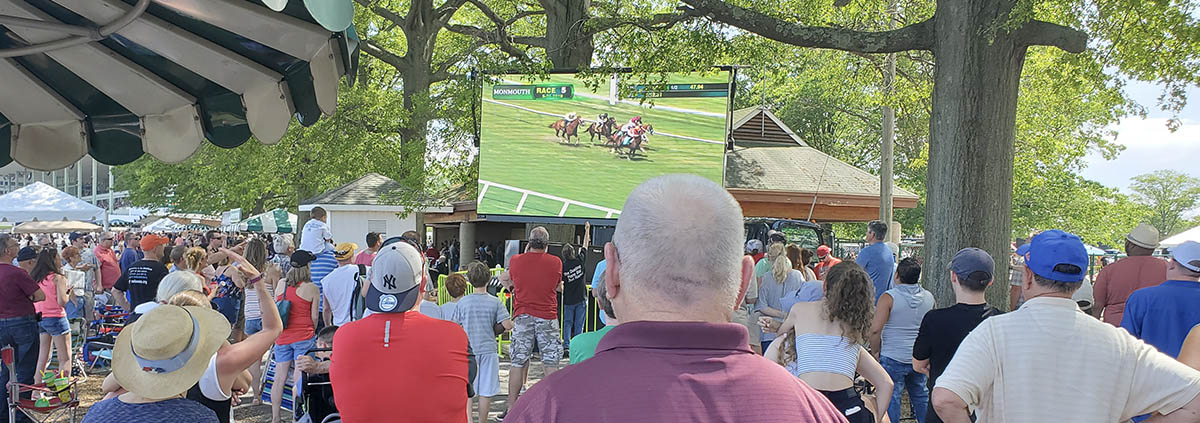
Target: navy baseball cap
[(973, 264), (1051, 248), (27, 253), (76, 235)]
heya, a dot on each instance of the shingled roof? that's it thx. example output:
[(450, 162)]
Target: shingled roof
[(371, 189), (799, 169)]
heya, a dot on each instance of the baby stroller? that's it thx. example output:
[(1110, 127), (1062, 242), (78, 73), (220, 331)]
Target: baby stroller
[(62, 400), (316, 398)]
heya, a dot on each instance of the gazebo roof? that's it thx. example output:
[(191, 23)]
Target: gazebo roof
[(370, 189)]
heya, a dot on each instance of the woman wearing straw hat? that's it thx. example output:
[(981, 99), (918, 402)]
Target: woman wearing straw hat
[(157, 359)]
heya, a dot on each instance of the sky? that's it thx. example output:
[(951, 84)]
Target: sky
[(1149, 145)]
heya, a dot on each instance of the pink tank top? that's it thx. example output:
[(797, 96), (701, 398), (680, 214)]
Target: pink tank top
[(49, 307)]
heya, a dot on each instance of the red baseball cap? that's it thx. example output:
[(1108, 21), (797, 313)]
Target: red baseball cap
[(148, 242), (823, 250)]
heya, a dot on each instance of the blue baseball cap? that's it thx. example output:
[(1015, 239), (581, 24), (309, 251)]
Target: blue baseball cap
[(1054, 247)]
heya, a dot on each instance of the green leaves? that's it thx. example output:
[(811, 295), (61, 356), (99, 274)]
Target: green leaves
[(1170, 197)]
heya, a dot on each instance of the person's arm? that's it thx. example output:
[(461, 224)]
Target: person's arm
[(1132, 320), (1100, 294), (772, 352), (308, 365), (1190, 353), (870, 368), (949, 406), (110, 384), (921, 366), (63, 292), (232, 359), (120, 287), (327, 315), (922, 351), (883, 311), (37, 295), (316, 302), (1190, 413)]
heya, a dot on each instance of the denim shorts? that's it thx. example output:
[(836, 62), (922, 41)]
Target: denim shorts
[(293, 350), (253, 326), (55, 326)]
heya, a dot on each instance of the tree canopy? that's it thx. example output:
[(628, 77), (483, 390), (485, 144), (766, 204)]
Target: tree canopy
[(1170, 196)]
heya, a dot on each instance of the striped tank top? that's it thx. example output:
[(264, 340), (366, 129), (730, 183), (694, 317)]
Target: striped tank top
[(824, 353)]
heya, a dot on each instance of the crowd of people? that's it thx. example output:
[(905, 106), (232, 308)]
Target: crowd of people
[(698, 325)]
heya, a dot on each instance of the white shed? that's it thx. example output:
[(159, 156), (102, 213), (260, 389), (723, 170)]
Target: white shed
[(365, 205)]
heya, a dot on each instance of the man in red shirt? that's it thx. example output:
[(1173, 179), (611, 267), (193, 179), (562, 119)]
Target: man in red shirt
[(536, 280), (18, 319), (397, 358), (110, 268), (825, 261), (1139, 270)]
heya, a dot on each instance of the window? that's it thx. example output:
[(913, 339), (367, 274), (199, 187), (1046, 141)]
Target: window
[(379, 226)]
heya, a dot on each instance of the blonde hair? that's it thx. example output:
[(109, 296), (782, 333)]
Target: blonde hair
[(194, 257), (189, 297), (298, 275), (780, 265)]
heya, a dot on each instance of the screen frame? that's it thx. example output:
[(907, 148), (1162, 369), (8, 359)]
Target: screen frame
[(477, 115)]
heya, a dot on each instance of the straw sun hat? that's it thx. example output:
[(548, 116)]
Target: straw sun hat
[(167, 350)]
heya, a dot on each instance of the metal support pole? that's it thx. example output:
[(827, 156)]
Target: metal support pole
[(887, 156)]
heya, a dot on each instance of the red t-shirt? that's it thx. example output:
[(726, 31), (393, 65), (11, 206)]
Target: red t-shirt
[(15, 288), (824, 266), (535, 279), (400, 367), (110, 269)]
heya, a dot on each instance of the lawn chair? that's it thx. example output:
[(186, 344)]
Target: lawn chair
[(52, 410)]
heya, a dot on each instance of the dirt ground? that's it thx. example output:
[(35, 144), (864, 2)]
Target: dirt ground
[(89, 393)]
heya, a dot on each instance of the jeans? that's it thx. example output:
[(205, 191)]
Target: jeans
[(573, 316), (21, 333), (905, 378)]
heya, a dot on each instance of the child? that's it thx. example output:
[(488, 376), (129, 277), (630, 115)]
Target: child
[(456, 286), (483, 317), (318, 373)]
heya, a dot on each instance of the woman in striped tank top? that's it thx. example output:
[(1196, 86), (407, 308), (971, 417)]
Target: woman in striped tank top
[(822, 344)]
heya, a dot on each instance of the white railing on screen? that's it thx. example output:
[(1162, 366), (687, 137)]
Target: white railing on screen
[(485, 185)]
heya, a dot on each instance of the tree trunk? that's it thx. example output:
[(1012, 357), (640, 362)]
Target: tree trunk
[(971, 130), (568, 45)]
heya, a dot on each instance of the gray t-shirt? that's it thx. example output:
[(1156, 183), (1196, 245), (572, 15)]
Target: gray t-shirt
[(178, 410), (770, 293), (478, 313)]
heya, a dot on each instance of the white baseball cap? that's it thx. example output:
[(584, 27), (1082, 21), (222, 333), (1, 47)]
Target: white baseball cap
[(1187, 255)]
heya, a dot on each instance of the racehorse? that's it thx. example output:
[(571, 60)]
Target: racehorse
[(617, 141), (565, 130), (603, 129)]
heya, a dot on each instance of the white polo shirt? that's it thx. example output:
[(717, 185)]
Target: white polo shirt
[(1050, 362), (314, 235)]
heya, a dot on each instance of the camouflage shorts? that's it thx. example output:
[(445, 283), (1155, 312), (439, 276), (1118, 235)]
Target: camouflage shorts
[(527, 330)]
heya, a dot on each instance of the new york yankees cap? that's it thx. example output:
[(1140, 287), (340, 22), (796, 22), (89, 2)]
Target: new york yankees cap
[(396, 276)]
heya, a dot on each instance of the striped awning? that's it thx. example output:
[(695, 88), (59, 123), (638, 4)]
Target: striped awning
[(277, 221), (116, 79)]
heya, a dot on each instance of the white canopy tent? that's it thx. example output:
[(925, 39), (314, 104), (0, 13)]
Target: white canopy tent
[(1192, 234), (38, 201), (163, 225)]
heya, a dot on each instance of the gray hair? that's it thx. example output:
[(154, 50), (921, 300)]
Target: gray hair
[(176, 282), (602, 300), (680, 242), (539, 238), (282, 243)]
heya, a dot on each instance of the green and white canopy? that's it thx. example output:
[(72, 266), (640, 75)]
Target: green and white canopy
[(276, 221), (120, 78)]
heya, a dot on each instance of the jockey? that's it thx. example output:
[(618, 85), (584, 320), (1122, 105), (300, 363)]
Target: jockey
[(570, 117), (634, 122), (633, 133)]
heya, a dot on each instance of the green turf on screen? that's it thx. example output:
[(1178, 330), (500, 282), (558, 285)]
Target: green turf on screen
[(518, 148)]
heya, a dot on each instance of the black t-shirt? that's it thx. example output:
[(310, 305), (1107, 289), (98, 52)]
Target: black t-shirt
[(141, 280), (941, 332), (574, 290)]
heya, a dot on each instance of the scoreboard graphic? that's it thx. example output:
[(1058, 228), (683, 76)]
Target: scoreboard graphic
[(534, 92), (680, 90)]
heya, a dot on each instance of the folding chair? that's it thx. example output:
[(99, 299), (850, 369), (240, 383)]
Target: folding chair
[(52, 410)]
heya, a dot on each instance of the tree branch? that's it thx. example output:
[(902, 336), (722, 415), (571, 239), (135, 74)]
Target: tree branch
[(1040, 33), (394, 60), (913, 37), (391, 16), (659, 21)]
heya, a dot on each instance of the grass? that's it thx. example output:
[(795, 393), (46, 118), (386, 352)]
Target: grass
[(518, 149)]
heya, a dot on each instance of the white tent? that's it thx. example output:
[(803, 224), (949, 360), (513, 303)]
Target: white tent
[(163, 225), (1192, 234), (38, 201)]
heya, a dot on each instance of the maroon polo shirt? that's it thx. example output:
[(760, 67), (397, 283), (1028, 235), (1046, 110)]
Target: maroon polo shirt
[(674, 372), (15, 288)]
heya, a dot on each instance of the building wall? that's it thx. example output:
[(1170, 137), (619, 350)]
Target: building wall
[(351, 226)]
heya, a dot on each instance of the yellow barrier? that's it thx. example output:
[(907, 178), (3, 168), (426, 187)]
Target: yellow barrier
[(591, 319)]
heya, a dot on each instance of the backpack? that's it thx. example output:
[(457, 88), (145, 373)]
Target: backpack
[(357, 302)]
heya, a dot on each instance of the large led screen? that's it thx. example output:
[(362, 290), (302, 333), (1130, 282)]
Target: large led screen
[(565, 146)]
